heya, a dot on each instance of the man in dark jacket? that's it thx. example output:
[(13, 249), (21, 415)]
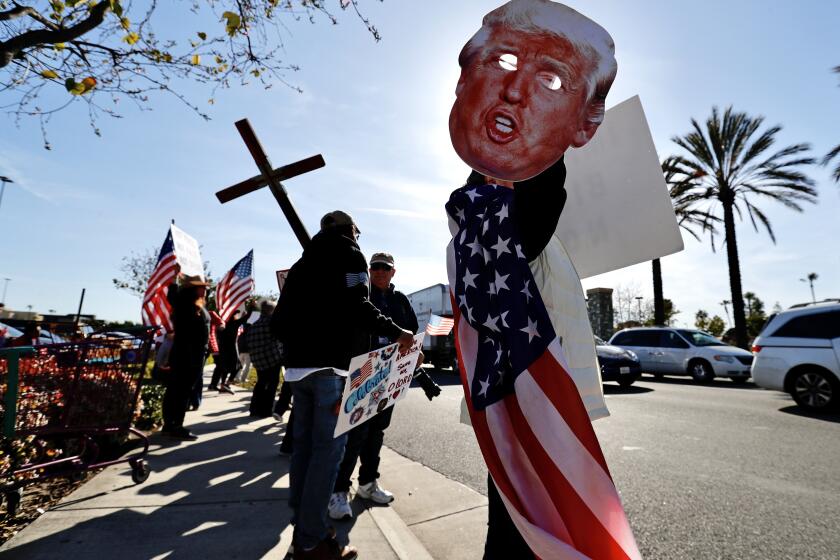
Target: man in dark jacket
[(324, 318), (364, 442)]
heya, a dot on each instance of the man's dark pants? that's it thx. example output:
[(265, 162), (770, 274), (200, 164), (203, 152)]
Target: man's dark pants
[(176, 399), (227, 363), (265, 388), (316, 454), (503, 539), (364, 442)]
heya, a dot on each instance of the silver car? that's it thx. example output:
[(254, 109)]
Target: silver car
[(672, 351)]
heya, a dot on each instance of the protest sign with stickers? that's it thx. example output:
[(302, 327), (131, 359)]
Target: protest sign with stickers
[(377, 380)]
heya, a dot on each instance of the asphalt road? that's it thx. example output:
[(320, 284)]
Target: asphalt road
[(705, 472)]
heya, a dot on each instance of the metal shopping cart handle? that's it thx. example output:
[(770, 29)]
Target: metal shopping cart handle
[(12, 356)]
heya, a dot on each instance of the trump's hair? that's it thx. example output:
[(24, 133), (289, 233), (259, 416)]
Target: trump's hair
[(545, 16)]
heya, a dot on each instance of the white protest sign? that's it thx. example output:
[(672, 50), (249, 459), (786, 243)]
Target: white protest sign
[(281, 278), (377, 380), (618, 211), (187, 252)]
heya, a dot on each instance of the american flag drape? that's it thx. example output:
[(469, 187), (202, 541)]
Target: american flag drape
[(236, 286), (156, 309), (439, 326), (530, 422)]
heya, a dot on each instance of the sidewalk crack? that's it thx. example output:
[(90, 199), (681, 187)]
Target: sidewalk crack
[(445, 515)]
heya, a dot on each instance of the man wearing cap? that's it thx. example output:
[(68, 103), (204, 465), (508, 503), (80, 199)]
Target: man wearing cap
[(324, 318), (364, 442)]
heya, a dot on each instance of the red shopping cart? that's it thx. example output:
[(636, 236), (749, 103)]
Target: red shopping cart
[(58, 402)]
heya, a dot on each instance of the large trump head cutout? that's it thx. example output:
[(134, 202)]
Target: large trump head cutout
[(534, 81)]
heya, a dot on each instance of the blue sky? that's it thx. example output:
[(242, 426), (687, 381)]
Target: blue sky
[(378, 113)]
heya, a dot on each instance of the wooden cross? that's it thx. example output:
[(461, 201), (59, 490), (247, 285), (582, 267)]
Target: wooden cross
[(272, 178)]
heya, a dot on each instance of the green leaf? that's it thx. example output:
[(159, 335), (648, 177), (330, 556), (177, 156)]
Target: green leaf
[(131, 38), (232, 22), (74, 87), (48, 74), (202, 35), (117, 8)]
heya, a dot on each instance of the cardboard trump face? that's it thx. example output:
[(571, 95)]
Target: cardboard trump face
[(534, 81)]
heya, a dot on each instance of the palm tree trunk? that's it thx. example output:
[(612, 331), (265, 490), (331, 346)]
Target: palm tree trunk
[(658, 300), (734, 274)]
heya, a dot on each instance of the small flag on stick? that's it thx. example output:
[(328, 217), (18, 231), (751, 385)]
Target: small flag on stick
[(439, 326)]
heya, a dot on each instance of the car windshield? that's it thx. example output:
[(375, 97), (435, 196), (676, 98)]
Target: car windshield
[(700, 338)]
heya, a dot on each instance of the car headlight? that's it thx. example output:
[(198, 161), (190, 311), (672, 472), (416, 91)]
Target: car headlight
[(727, 359), (632, 354)]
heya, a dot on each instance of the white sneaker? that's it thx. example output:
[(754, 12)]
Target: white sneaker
[(339, 507), (372, 491)]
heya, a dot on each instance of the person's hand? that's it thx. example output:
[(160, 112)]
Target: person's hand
[(405, 341)]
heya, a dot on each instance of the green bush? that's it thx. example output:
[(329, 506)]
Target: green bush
[(150, 408)]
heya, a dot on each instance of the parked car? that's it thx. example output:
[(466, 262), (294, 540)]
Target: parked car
[(617, 364), (798, 351), (672, 351)]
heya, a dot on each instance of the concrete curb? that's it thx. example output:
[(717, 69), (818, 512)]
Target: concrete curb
[(402, 539)]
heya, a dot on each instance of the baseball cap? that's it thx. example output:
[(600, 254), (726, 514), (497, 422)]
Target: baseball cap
[(384, 258), (337, 218)]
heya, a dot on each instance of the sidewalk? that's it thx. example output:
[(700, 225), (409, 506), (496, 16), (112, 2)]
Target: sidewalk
[(225, 496)]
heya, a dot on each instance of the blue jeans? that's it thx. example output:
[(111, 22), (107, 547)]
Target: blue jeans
[(316, 454)]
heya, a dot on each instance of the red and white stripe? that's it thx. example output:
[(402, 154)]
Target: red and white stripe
[(232, 292), (545, 460), (439, 326), (156, 309)]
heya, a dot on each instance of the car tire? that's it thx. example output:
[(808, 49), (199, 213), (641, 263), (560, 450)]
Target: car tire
[(626, 381), (701, 371), (815, 390)]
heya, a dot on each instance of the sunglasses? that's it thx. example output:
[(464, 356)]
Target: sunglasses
[(381, 266)]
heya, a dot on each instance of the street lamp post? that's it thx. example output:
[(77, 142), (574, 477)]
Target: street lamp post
[(639, 300), (5, 285), (3, 181)]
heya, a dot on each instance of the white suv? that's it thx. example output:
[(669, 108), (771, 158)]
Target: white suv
[(798, 352), (666, 350)]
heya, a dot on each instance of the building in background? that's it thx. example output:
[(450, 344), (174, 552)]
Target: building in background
[(600, 306)]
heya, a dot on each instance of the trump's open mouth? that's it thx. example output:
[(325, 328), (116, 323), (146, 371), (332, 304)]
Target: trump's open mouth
[(501, 126)]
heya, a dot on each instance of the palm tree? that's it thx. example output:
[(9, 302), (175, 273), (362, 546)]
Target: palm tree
[(732, 161), (834, 151), (685, 193)]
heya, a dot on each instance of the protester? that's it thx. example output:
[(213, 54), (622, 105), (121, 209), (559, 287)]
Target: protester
[(189, 352), (244, 355), (227, 361), (364, 442), (267, 356), (4, 336), (324, 318), (533, 84)]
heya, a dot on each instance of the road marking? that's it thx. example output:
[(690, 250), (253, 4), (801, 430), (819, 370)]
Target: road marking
[(631, 448)]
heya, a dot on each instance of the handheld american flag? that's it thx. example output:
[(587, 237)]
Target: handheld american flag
[(439, 326), (529, 418), (156, 309), (236, 286)]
